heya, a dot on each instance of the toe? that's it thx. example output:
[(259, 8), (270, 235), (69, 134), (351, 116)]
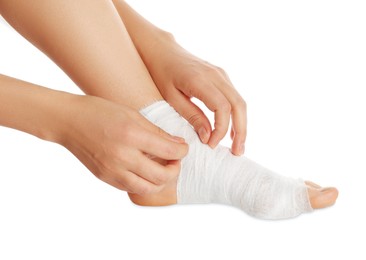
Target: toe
[(322, 198)]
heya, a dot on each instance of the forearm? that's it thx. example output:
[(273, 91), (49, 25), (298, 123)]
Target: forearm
[(33, 109)]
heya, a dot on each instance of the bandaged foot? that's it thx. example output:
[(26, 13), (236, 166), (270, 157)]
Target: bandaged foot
[(216, 176)]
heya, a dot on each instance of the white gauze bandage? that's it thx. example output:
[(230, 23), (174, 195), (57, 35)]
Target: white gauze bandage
[(216, 176)]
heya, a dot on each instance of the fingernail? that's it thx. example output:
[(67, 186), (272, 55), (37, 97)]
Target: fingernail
[(203, 134)]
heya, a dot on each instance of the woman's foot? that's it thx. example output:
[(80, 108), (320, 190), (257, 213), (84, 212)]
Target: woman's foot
[(216, 176), (319, 197)]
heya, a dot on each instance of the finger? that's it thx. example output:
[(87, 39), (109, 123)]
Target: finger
[(239, 127), (222, 120), (153, 171), (135, 184), (158, 145), (215, 100), (193, 114), (238, 114), (146, 124)]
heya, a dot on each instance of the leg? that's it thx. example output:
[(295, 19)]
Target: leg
[(74, 34), (89, 41)]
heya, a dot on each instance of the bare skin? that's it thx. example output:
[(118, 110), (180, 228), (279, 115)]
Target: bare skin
[(117, 77), (111, 140), (106, 57), (179, 76)]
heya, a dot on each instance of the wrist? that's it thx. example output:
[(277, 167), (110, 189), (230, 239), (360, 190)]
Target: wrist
[(158, 42), (158, 49), (56, 124)]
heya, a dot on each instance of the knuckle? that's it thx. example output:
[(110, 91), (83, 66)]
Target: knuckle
[(195, 77), (239, 101), (129, 132), (195, 80), (225, 106), (221, 70), (221, 128), (161, 178), (191, 81), (122, 157), (144, 189), (194, 119), (137, 165), (221, 131), (105, 168)]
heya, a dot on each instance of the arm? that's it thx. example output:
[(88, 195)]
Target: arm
[(88, 40), (110, 140), (32, 109), (180, 75)]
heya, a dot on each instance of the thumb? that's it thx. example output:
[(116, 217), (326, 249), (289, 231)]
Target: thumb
[(147, 125)]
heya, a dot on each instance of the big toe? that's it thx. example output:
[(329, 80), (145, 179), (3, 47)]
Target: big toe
[(322, 197)]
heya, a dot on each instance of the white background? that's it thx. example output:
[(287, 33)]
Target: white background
[(300, 65)]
